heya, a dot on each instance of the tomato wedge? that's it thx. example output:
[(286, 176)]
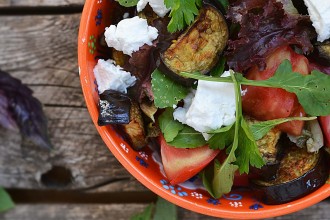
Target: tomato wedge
[(272, 103), (294, 127), (325, 125), (180, 164)]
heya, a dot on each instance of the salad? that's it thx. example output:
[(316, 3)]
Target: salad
[(234, 91)]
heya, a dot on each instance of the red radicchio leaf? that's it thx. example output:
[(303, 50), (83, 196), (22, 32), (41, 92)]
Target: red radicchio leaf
[(265, 26), (17, 104)]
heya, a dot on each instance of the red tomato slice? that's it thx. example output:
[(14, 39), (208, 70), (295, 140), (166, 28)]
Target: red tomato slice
[(294, 127), (271, 103), (241, 179), (325, 125), (182, 164)]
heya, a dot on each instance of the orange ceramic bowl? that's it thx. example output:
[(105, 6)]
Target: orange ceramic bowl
[(143, 166)]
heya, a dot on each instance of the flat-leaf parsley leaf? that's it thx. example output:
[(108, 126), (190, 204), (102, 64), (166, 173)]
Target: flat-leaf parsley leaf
[(169, 127), (182, 13)]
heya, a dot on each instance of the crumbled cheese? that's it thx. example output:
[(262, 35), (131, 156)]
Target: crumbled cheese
[(319, 12), (311, 137), (110, 76), (130, 34), (210, 107), (158, 6), (125, 15)]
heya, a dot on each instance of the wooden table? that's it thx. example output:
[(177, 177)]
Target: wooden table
[(79, 179)]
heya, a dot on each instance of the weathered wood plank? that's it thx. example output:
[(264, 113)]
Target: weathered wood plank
[(8, 3), (40, 49), (42, 52), (125, 211)]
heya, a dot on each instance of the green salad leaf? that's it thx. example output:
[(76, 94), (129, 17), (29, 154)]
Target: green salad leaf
[(219, 178), (162, 210), (128, 3), (247, 151), (177, 134), (166, 92), (222, 179), (260, 129), (165, 210), (6, 202), (222, 137), (182, 13), (169, 127), (219, 68), (188, 138)]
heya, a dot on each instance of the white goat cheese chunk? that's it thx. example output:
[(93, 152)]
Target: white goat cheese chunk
[(210, 107), (130, 34), (108, 75), (158, 6), (319, 12)]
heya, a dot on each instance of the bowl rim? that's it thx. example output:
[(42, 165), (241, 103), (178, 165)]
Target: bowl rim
[(278, 210)]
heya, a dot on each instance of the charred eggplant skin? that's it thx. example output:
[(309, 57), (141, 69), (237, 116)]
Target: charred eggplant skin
[(198, 48), (280, 193), (114, 108), (321, 53)]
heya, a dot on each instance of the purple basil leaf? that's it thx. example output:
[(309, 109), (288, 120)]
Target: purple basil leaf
[(18, 104), (6, 119)]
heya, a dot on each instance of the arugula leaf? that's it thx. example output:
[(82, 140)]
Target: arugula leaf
[(169, 127), (182, 13), (222, 137), (247, 152), (128, 3), (188, 138), (260, 129), (313, 91), (6, 202), (166, 92), (222, 179), (165, 210), (218, 179)]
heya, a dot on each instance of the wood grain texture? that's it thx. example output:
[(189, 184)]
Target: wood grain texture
[(23, 3), (125, 211), (42, 52)]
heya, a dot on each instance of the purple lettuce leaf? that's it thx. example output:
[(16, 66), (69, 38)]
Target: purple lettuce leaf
[(265, 26), (19, 108)]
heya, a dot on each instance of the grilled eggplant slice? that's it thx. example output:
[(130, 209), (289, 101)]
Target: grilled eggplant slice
[(198, 48), (114, 108), (134, 131), (299, 174), (270, 150)]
